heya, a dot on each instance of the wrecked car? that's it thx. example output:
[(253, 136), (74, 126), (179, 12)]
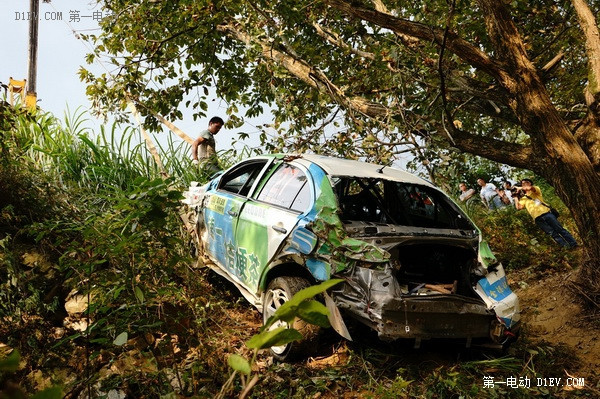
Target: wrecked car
[(414, 266)]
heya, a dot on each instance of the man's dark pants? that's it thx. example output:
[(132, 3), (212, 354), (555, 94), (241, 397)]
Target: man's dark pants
[(550, 224)]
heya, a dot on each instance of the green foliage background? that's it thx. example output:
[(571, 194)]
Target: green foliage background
[(89, 214)]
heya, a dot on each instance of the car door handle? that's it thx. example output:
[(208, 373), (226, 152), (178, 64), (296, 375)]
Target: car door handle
[(232, 213), (279, 229)]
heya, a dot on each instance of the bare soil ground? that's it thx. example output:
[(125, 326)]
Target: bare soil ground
[(552, 312)]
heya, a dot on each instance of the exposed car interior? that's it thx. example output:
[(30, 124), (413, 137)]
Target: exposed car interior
[(423, 265), (390, 202)]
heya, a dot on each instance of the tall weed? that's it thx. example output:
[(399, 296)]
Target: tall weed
[(95, 208)]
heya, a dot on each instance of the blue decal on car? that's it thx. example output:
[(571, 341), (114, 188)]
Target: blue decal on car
[(303, 240), (497, 290), (319, 269)]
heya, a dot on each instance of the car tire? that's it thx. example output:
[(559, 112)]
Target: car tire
[(279, 291)]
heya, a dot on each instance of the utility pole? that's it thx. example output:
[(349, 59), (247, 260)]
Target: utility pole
[(34, 8)]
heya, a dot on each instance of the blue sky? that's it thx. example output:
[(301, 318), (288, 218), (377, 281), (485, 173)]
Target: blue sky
[(60, 55)]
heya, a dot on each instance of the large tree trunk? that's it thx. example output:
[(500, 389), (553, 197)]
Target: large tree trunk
[(588, 135), (560, 159), (578, 185)]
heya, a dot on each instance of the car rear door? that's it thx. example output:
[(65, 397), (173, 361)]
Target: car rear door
[(268, 217)]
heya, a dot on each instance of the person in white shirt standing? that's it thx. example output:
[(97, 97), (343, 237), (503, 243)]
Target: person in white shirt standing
[(489, 195)]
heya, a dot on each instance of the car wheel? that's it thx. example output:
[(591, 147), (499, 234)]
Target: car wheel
[(279, 291)]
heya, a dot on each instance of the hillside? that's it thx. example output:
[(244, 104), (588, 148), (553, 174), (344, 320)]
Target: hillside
[(99, 296)]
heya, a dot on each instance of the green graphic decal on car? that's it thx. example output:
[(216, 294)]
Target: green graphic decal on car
[(252, 238)]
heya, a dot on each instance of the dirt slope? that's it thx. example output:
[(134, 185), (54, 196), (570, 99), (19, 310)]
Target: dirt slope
[(551, 312)]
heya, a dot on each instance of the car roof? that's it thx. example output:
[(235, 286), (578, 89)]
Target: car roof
[(351, 168)]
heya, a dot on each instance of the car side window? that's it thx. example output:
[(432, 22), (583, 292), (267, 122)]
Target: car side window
[(240, 180), (287, 187)]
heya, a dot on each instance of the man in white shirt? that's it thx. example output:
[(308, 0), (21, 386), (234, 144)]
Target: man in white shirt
[(489, 195), (465, 193)]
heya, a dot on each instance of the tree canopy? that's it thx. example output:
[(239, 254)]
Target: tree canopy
[(514, 82), (396, 70)]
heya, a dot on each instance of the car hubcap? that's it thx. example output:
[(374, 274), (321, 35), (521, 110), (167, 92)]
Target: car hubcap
[(275, 298)]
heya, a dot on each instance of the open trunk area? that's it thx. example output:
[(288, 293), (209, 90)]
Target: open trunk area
[(428, 268)]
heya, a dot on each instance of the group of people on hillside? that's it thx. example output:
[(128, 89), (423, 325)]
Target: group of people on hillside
[(491, 196), (523, 196)]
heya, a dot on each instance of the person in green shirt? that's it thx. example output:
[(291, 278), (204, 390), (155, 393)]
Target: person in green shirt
[(204, 148), (530, 197)]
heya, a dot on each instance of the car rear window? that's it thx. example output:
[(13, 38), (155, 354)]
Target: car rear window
[(407, 204)]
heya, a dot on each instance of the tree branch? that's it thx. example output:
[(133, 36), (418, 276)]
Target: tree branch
[(491, 100), (587, 20), (513, 154), (334, 39), (309, 75), (546, 69), (458, 46), (588, 136), (440, 66), (499, 150)]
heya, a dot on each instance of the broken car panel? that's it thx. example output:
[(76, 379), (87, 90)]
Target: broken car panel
[(414, 264)]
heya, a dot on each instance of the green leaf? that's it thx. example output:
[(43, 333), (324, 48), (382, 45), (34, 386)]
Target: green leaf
[(11, 362), (238, 363), (49, 393), (313, 291), (118, 292), (121, 339), (139, 294), (276, 337), (174, 195), (288, 311), (314, 312)]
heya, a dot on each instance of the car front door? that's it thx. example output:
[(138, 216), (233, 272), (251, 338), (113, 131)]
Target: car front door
[(268, 217), (223, 208)]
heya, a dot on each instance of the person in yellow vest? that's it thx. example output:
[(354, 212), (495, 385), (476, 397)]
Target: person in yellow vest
[(530, 197)]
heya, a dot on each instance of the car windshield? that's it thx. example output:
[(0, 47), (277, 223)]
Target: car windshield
[(406, 204)]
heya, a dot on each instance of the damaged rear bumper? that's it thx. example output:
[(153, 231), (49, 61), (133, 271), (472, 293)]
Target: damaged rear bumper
[(375, 298)]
